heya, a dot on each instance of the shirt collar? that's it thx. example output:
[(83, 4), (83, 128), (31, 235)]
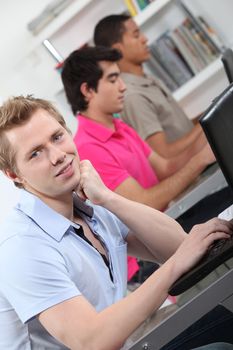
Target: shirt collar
[(50, 221), (97, 130), (137, 80)]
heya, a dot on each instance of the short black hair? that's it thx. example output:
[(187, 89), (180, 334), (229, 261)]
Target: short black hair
[(110, 30), (82, 66)]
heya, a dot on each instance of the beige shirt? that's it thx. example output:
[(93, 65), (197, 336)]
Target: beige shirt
[(149, 108)]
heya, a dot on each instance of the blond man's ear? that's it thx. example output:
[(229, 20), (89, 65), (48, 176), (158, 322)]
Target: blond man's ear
[(13, 176)]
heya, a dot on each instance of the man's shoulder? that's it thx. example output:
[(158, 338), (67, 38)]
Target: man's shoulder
[(16, 225), (14, 240)]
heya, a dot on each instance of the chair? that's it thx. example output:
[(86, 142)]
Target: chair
[(217, 123), (227, 60)]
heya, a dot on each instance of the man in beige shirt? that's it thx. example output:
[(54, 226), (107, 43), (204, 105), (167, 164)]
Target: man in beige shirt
[(149, 106)]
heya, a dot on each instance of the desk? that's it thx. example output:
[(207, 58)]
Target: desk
[(219, 292), (210, 181)]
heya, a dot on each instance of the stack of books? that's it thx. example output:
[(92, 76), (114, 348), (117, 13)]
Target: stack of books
[(136, 6), (179, 54)]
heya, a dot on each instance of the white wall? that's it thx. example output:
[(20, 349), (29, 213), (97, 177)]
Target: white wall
[(23, 70), (14, 38), (8, 196)]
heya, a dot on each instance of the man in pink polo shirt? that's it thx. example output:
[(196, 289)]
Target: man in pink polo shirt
[(126, 164)]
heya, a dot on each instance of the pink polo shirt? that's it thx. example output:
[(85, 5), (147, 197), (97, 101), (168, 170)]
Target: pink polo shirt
[(116, 155)]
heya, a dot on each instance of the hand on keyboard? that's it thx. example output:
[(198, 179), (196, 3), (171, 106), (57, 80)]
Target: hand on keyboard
[(198, 250)]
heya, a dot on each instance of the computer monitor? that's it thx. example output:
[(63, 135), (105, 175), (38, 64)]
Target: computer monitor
[(217, 123)]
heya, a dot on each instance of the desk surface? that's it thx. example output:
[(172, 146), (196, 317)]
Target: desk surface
[(210, 181), (219, 292)]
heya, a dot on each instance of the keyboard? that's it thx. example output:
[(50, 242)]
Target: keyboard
[(219, 252)]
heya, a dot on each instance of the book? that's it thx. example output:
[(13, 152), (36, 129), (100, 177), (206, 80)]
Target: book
[(200, 28), (197, 59), (184, 51), (136, 6), (165, 52), (195, 44), (131, 7), (142, 4), (158, 70), (202, 45), (212, 33)]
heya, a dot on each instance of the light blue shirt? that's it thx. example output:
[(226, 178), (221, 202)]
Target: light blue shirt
[(43, 262)]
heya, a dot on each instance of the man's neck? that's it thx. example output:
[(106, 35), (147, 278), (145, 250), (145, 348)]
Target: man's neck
[(128, 67), (102, 118), (62, 205)]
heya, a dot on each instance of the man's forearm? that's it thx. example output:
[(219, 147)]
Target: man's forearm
[(159, 196), (147, 298), (171, 187), (186, 146), (159, 233)]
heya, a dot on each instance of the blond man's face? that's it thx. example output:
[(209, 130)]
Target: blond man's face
[(46, 157)]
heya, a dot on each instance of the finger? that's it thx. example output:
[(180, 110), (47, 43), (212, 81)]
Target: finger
[(80, 193), (216, 224), (215, 237)]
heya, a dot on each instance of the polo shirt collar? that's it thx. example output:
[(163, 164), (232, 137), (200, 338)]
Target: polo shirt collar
[(50, 221), (97, 130), (137, 80)]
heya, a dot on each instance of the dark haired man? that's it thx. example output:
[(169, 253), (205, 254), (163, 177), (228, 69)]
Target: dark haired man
[(63, 261), (127, 165)]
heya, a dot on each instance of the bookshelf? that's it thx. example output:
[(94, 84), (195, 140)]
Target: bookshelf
[(74, 27), (196, 95), (195, 83)]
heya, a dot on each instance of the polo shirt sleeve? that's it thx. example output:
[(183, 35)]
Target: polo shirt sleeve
[(142, 114), (144, 146), (36, 277), (106, 164)]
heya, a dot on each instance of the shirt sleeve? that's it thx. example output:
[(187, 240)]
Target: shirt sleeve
[(36, 277), (106, 163), (143, 145), (140, 113)]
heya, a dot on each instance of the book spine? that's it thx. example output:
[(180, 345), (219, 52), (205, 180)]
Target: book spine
[(142, 4), (196, 46), (174, 35), (199, 27), (170, 60), (191, 48), (198, 38), (136, 6), (131, 8), (212, 33), (158, 70)]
